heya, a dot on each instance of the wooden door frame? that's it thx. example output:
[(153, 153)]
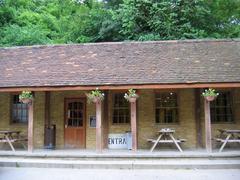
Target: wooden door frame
[(85, 116)]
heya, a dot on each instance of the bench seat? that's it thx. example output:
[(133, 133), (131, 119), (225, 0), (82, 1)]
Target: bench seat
[(13, 140), (229, 141), (167, 141)]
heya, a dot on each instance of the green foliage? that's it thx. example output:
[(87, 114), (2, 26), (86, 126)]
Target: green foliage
[(210, 92), (131, 94), (28, 22), (95, 95), (27, 35), (163, 19), (26, 95)]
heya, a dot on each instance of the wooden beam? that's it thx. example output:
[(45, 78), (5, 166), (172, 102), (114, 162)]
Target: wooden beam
[(30, 127), (208, 134), (123, 87), (47, 115), (105, 119), (47, 108), (99, 126), (134, 125), (198, 119)]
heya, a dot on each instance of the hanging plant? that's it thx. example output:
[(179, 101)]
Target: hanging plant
[(131, 95), (210, 94), (26, 97), (95, 96)]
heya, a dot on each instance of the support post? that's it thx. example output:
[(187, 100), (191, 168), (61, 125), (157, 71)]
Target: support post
[(47, 117), (198, 118), (105, 119), (134, 125), (208, 134), (99, 126), (30, 127), (47, 108)]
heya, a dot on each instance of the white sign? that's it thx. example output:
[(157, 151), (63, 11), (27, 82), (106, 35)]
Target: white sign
[(117, 141)]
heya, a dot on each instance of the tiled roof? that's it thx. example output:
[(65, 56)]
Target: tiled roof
[(160, 62)]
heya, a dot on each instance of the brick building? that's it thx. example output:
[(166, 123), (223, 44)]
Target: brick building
[(169, 76)]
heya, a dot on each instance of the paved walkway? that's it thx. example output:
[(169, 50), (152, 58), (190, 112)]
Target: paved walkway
[(110, 174)]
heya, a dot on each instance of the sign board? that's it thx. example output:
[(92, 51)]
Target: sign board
[(117, 141), (92, 121)]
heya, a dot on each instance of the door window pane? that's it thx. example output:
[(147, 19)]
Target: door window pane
[(75, 114)]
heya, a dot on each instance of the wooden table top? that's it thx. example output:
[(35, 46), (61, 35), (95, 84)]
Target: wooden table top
[(9, 132), (167, 130)]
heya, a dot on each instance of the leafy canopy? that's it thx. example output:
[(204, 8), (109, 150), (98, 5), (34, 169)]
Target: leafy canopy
[(29, 22)]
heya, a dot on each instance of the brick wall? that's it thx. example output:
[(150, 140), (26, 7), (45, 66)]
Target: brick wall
[(236, 116), (5, 114), (57, 116), (147, 128)]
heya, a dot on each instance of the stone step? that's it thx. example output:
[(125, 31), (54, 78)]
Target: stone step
[(91, 155), (122, 164)]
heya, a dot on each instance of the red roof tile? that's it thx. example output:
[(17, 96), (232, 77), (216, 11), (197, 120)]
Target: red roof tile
[(161, 62)]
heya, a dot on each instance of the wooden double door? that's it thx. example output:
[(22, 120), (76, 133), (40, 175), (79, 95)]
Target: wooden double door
[(75, 123)]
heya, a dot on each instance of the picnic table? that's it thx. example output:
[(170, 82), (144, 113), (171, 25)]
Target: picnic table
[(166, 136), (228, 136), (11, 137)]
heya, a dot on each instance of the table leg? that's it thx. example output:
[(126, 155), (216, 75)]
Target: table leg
[(155, 144), (225, 142), (175, 142), (9, 142)]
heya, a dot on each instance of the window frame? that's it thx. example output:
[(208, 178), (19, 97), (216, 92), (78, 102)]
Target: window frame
[(230, 91), (11, 104), (155, 106), (112, 109)]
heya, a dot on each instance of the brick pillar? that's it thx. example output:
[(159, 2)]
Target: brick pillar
[(208, 134), (99, 126), (30, 127)]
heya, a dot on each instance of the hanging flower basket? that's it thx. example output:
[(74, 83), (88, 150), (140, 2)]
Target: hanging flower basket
[(96, 99), (210, 98), (95, 96), (132, 99), (26, 97), (131, 95), (210, 94), (26, 101)]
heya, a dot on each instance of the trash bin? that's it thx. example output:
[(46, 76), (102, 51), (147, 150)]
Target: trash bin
[(129, 140), (50, 137)]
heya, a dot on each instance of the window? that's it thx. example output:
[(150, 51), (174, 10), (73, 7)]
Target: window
[(19, 111), (221, 108), (166, 107), (121, 113)]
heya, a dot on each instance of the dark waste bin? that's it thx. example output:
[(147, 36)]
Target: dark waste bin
[(50, 137)]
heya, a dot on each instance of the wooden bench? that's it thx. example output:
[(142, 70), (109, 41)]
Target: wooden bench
[(166, 141), (227, 136), (15, 140), (229, 140)]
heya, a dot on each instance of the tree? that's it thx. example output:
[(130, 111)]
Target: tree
[(27, 22), (163, 19), (15, 35)]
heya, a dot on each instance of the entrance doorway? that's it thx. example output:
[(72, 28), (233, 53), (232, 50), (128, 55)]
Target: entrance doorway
[(75, 123)]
